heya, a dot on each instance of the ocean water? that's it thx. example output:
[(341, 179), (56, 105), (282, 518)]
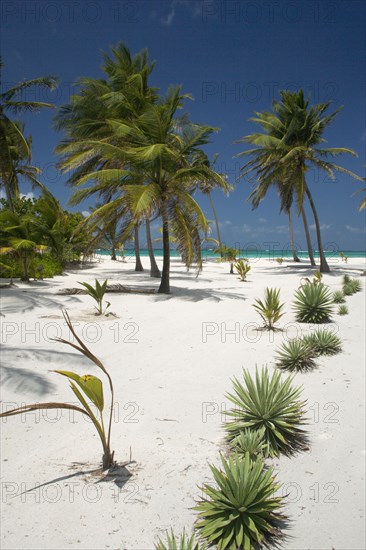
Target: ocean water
[(269, 254)]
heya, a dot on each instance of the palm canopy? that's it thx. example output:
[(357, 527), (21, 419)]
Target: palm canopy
[(13, 144), (289, 144)]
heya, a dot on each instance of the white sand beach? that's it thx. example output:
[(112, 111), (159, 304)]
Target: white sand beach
[(172, 359)]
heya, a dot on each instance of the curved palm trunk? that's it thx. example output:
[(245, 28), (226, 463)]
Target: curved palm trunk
[(154, 270), (294, 255), (324, 267), (113, 255), (138, 265), (25, 268), (216, 220), (308, 239), (164, 287)]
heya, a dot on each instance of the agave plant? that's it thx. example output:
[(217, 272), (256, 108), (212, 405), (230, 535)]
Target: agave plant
[(338, 297), (343, 310), (348, 289), (270, 309), (97, 294), (184, 542), (296, 355), (313, 304), (91, 389), (355, 285), (346, 279), (250, 441), (240, 511), (243, 268), (272, 403), (323, 342)]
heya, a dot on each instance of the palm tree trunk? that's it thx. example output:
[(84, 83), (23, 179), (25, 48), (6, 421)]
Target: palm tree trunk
[(25, 268), (294, 255), (154, 270), (164, 287), (216, 220), (138, 265), (324, 267), (113, 255), (308, 239)]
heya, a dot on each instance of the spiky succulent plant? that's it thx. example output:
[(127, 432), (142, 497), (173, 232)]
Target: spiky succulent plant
[(270, 309), (241, 511), (343, 310), (338, 297), (355, 285), (250, 441), (313, 304), (269, 402), (323, 342), (296, 355), (182, 542)]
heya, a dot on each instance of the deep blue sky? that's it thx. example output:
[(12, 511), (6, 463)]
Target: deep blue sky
[(233, 57)]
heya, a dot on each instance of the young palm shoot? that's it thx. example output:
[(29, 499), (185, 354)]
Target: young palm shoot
[(87, 387), (243, 268), (97, 294), (270, 309)]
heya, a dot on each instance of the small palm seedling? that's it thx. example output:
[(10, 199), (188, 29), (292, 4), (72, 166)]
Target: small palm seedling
[(243, 268), (228, 255), (343, 310), (184, 542), (313, 304), (343, 257), (272, 403), (338, 297), (240, 510), (296, 355), (91, 389), (250, 441), (270, 309), (323, 342), (279, 261), (97, 294), (317, 277)]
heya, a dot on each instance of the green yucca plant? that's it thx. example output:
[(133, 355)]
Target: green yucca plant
[(97, 293), (240, 511), (184, 542), (348, 289), (346, 279), (272, 403), (250, 441), (91, 389), (342, 310), (323, 342), (355, 285), (296, 355), (270, 309), (243, 268), (313, 304), (338, 297)]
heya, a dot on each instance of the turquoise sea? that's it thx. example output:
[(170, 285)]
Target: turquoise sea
[(251, 252)]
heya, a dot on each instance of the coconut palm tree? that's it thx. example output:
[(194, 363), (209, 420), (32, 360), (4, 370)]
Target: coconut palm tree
[(289, 146), (14, 146)]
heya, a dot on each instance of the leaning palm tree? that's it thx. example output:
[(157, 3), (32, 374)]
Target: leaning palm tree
[(289, 146), (13, 143)]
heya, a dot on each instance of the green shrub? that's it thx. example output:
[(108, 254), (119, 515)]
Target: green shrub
[(270, 309), (343, 310), (250, 441), (313, 304), (348, 289), (346, 279), (338, 297), (279, 261), (323, 342), (296, 355), (355, 285), (184, 542), (268, 402), (41, 266), (240, 511)]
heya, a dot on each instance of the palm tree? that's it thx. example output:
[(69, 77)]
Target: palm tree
[(14, 147), (289, 146)]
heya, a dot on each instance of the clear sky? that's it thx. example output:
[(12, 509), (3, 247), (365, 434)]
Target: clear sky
[(233, 56)]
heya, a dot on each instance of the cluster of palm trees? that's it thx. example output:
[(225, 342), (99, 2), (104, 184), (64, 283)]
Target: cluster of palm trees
[(125, 144), (287, 148)]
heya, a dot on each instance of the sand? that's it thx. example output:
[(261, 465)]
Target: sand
[(171, 359)]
